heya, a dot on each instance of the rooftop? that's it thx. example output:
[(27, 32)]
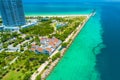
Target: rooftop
[(40, 49), (47, 44)]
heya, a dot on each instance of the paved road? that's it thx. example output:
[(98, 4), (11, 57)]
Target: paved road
[(40, 69)]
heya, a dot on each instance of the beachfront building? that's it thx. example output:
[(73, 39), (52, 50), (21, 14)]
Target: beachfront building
[(12, 14), (48, 45)]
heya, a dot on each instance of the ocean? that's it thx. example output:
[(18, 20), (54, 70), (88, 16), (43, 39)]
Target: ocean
[(95, 52), (54, 8)]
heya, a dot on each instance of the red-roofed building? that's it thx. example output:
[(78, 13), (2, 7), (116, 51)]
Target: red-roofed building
[(48, 45), (52, 44), (55, 40), (32, 49), (49, 50), (39, 50), (33, 46)]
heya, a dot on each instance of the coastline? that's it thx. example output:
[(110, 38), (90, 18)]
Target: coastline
[(57, 15), (47, 72), (48, 66)]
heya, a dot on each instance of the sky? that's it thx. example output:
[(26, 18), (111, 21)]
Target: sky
[(68, 0)]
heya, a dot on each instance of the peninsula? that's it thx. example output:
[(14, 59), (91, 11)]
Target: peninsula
[(45, 69), (38, 47)]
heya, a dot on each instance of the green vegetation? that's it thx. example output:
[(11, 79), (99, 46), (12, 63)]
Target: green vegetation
[(73, 23), (26, 64), (38, 77), (57, 55), (27, 76), (64, 45), (46, 27), (42, 29), (13, 38), (6, 57), (5, 36), (37, 40)]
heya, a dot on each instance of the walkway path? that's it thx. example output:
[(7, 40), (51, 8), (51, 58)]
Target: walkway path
[(40, 69)]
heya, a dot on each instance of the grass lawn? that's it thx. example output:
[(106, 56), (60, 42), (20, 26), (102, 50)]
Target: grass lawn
[(13, 75), (27, 63)]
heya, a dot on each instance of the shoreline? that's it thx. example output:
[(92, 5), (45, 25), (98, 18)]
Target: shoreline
[(56, 15), (59, 15), (45, 72)]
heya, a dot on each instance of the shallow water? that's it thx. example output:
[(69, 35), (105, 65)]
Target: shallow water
[(80, 59)]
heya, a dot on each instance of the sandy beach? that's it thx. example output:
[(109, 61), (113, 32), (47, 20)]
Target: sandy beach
[(57, 15)]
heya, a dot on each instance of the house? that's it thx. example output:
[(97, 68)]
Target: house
[(57, 42), (39, 50), (13, 49), (61, 24), (33, 49), (52, 45), (54, 21), (43, 40), (48, 45), (48, 50), (33, 46), (29, 24)]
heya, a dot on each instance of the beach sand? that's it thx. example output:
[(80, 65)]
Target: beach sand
[(57, 15)]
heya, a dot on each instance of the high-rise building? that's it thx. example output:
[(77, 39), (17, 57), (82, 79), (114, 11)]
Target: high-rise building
[(12, 13)]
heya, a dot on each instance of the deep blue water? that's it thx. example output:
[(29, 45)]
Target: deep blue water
[(109, 59)]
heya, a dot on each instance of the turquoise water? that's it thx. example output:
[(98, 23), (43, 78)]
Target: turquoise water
[(80, 59), (55, 9)]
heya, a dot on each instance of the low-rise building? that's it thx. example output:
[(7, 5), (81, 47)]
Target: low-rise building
[(54, 21), (13, 49), (39, 50), (61, 24), (29, 24), (48, 45)]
